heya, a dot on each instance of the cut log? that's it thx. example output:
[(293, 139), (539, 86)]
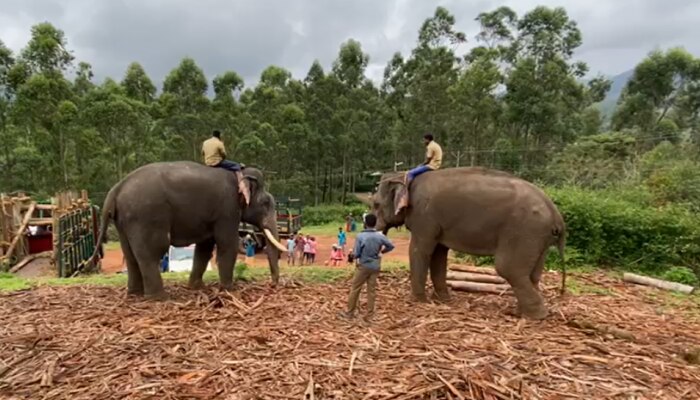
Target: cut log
[(657, 283), (468, 276), (478, 287), (20, 232), (472, 269)]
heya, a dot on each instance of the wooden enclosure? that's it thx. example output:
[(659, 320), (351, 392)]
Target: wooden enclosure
[(63, 229)]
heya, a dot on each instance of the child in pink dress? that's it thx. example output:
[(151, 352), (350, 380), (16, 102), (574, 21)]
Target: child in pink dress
[(313, 246), (336, 256)]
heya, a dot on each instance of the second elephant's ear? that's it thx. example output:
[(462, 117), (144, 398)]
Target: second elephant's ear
[(251, 189), (398, 192)]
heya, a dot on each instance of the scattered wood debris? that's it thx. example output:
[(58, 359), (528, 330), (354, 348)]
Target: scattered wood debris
[(84, 342)]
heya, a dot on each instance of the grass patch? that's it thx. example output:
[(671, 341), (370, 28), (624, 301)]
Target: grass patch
[(332, 230), (10, 283), (309, 274)]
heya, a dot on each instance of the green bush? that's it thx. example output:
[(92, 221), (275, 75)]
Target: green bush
[(615, 232), (681, 275), (326, 214)]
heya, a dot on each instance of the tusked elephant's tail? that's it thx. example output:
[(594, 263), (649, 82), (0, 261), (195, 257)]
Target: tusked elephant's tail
[(108, 213)]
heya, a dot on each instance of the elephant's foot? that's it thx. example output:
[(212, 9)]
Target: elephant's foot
[(534, 311), (157, 296), (196, 284), (441, 297), (135, 291), (419, 298), (228, 287)]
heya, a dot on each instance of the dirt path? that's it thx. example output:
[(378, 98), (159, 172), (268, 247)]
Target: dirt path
[(113, 260)]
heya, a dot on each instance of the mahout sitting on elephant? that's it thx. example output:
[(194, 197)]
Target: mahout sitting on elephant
[(481, 212), (183, 203), (433, 161), (214, 155)]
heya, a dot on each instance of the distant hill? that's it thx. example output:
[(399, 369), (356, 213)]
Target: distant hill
[(618, 84)]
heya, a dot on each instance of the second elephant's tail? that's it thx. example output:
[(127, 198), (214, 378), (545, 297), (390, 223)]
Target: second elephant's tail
[(560, 232), (108, 213)]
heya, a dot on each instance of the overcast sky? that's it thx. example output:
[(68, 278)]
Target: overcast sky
[(247, 36)]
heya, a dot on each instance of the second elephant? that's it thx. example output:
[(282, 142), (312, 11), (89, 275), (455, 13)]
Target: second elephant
[(477, 211)]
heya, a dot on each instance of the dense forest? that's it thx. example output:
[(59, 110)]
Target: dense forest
[(517, 100)]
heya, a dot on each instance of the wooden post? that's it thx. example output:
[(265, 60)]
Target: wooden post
[(20, 231), (56, 254)]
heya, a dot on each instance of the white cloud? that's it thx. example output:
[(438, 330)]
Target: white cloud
[(247, 36)]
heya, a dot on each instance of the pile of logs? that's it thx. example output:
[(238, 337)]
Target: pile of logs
[(476, 279)]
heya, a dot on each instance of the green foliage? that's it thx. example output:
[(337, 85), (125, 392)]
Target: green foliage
[(594, 161), (325, 214), (614, 232), (681, 275)]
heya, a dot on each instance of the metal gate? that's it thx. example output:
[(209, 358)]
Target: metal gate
[(74, 240)]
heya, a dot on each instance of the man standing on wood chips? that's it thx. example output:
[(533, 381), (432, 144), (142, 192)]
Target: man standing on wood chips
[(369, 245)]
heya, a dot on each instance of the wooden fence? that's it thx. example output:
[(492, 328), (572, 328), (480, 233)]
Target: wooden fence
[(64, 229)]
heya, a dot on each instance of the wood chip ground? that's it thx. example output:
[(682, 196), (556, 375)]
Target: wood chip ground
[(82, 342)]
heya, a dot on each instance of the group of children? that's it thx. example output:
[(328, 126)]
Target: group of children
[(301, 248), (304, 249)]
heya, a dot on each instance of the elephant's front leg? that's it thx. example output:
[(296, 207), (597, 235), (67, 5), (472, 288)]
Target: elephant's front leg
[(420, 254), (202, 255), (438, 273)]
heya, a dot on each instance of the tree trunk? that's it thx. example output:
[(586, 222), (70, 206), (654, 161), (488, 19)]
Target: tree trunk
[(330, 184), (315, 182), (62, 149), (343, 180)]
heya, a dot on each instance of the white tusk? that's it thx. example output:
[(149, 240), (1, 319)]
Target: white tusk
[(272, 240)]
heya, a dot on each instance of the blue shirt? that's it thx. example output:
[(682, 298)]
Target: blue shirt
[(341, 238), (368, 245)]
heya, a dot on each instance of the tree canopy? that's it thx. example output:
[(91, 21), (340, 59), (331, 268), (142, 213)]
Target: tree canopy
[(514, 98)]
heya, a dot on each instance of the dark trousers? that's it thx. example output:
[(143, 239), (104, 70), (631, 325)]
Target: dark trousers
[(229, 165), (363, 275)]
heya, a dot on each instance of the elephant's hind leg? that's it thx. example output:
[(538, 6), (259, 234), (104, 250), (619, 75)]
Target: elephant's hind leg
[(515, 264), (134, 279), (438, 273), (202, 255), (536, 274), (149, 247)]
